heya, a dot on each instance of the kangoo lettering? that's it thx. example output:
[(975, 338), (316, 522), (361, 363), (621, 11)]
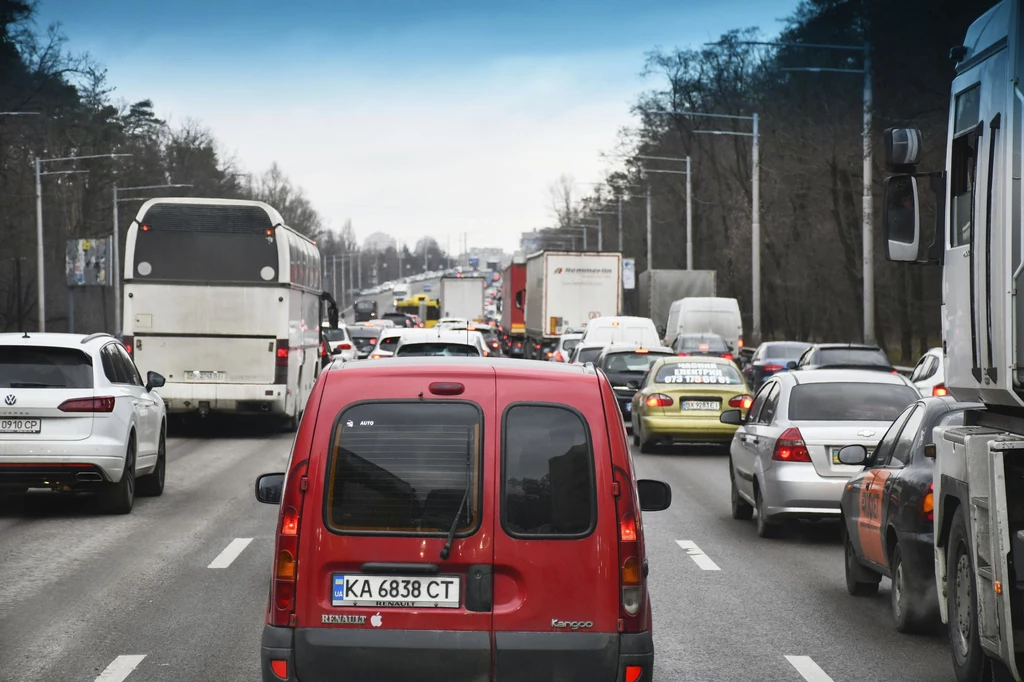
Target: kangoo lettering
[(571, 624)]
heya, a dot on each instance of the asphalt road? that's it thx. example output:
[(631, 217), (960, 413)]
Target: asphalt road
[(86, 597)]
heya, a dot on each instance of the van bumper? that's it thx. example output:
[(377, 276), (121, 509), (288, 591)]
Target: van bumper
[(183, 398), (466, 657)]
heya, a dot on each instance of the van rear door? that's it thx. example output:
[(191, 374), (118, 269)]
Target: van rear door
[(556, 518), (376, 596)]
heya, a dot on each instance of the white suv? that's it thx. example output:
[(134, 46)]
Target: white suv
[(76, 416)]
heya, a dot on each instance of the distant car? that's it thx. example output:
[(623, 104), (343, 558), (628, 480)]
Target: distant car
[(622, 329), (842, 356), (385, 324), (440, 342), (427, 287), (387, 343), (681, 400), (400, 291), (702, 345), (340, 343), (400, 319), (364, 337), (771, 357), (887, 513), (453, 322), (566, 342), (78, 417), (784, 459), (585, 352), (626, 367), (930, 374)]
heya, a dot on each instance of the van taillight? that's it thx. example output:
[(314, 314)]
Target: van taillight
[(286, 550), (87, 405), (631, 555), (129, 345)]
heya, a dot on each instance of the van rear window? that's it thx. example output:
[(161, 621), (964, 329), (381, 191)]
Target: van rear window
[(548, 473), (44, 367), (404, 468)]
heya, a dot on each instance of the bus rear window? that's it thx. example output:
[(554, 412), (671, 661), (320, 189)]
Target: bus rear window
[(404, 468)]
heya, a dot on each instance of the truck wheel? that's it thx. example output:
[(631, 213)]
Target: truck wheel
[(860, 581), (910, 614), (969, 662)]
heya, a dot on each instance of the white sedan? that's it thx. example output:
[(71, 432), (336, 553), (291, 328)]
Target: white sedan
[(930, 374)]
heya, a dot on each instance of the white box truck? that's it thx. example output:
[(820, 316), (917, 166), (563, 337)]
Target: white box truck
[(978, 475), (462, 297), (567, 289)]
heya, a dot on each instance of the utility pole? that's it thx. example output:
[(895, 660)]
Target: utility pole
[(868, 208), (689, 219), (600, 235), (620, 223), (755, 233), (650, 254), (334, 275)]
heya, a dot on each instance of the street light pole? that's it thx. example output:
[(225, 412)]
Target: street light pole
[(649, 250), (868, 208), (689, 220), (620, 224)]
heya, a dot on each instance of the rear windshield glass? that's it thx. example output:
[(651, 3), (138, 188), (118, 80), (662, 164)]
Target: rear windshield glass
[(702, 342), (784, 351), (332, 334), (548, 473), (445, 349), (637, 363), (389, 343), (849, 402), (365, 332), (44, 367), (851, 356), (570, 344), (366, 306), (698, 373), (588, 354), (404, 468), (624, 334)]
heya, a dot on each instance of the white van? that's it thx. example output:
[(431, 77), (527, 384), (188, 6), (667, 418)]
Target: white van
[(695, 315), (622, 329)]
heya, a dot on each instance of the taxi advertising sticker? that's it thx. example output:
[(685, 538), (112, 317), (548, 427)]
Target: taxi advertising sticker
[(699, 373)]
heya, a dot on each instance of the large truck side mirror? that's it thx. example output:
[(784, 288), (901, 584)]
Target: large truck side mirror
[(901, 219)]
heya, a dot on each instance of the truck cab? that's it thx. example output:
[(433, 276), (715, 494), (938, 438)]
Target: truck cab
[(978, 241)]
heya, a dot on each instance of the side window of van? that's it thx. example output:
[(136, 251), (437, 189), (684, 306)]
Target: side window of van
[(404, 468), (547, 470)]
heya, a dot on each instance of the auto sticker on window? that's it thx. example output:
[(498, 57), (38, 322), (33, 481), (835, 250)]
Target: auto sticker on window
[(698, 373)]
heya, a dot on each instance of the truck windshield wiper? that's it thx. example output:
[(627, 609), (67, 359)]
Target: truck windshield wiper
[(447, 549)]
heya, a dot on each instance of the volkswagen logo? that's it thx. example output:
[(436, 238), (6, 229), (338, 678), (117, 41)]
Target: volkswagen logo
[(10, 399), (866, 433)]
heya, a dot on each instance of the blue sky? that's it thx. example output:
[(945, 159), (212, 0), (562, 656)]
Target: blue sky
[(409, 117)]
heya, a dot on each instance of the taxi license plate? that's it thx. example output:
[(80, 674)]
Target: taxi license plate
[(20, 425), (383, 591), (701, 405), (836, 449), (202, 375)]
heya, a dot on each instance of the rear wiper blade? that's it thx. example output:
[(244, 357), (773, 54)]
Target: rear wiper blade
[(32, 384), (447, 549)]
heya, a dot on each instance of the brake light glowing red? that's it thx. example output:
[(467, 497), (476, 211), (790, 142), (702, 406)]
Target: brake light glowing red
[(727, 356), (627, 528), (772, 368), (286, 548), (280, 669), (632, 615), (741, 401), (683, 355), (642, 351), (105, 404), (634, 673), (290, 522), (129, 345), (281, 353), (658, 400), (790, 447), (940, 390), (145, 228)]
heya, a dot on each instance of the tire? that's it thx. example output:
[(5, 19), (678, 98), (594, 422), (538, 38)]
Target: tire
[(860, 581), (909, 614), (152, 484), (635, 437), (646, 446), (741, 511), (765, 528), (969, 661), (119, 498)]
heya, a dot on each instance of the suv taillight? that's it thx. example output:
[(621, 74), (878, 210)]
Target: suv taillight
[(790, 447), (129, 345), (658, 400), (631, 555), (940, 390), (87, 405), (286, 550)]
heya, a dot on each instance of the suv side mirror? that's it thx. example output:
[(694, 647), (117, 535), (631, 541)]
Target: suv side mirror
[(654, 495), (854, 455), (901, 219), (269, 488), (734, 417), (154, 380)]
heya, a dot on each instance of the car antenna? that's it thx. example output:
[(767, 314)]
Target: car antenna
[(25, 335)]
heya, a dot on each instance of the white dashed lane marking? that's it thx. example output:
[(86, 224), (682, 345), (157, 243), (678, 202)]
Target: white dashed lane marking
[(230, 553), (808, 669), (120, 668), (698, 555)]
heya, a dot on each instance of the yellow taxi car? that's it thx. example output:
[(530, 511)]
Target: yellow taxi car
[(680, 399)]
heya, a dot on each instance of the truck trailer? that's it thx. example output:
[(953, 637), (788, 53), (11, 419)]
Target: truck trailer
[(567, 289), (512, 301), (659, 289), (462, 297)]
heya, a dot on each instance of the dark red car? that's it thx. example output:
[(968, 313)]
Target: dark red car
[(445, 519)]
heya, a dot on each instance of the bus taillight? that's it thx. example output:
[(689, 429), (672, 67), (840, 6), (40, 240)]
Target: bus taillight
[(129, 345), (281, 362)]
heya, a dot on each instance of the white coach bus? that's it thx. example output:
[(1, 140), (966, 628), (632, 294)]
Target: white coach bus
[(223, 299)]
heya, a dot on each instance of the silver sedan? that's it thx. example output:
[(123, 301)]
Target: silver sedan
[(784, 458)]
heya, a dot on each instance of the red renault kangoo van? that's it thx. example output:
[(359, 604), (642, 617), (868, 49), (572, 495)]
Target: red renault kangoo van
[(463, 520)]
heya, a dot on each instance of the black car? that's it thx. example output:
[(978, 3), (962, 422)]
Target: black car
[(887, 512), (400, 319), (365, 338), (769, 358), (626, 366), (705, 345), (842, 356)]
